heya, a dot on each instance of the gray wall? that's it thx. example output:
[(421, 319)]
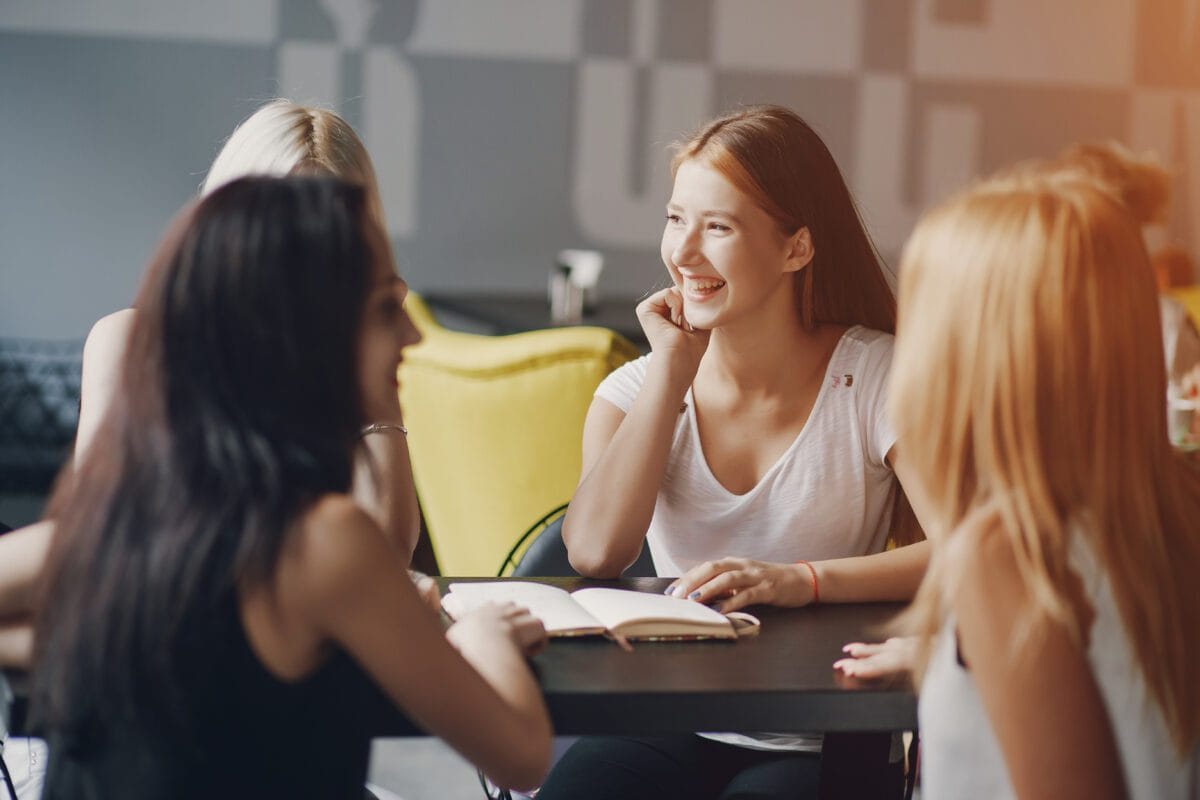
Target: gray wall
[(505, 130)]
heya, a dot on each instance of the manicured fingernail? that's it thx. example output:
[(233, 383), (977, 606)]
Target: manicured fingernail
[(846, 649), (670, 589), (694, 595)]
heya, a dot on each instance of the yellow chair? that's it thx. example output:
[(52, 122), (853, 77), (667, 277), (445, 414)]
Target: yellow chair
[(495, 430), (1189, 296)]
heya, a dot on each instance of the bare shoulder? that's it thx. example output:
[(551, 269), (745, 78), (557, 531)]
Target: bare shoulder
[(104, 349), (110, 333), (337, 548), (103, 353), (336, 531), (980, 561)]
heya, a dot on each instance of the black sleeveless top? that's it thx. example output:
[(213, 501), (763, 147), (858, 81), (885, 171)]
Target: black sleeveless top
[(251, 735)]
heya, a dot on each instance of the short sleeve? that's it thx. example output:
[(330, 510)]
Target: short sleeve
[(622, 385), (874, 375)]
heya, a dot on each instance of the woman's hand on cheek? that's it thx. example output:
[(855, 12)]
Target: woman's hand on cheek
[(729, 584), (667, 330)]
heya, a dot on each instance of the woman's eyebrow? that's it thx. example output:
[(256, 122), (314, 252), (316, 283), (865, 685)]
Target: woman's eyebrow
[(722, 214), (707, 212)]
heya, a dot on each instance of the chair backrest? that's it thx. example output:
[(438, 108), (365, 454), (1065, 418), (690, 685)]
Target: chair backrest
[(546, 555), (496, 425), (1189, 296)]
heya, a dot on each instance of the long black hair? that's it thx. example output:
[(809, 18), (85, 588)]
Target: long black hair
[(238, 405)]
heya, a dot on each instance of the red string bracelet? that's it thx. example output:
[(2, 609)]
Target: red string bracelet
[(813, 572)]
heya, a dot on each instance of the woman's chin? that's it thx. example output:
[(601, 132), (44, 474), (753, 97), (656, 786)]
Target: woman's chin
[(702, 318)]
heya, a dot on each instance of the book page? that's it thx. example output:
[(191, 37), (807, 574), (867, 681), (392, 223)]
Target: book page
[(559, 613), (621, 607)]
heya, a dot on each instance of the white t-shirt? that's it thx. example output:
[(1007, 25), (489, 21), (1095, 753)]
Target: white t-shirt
[(960, 756), (828, 496)]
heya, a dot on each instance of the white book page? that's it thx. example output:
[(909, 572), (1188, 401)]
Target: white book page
[(556, 609), (615, 607)]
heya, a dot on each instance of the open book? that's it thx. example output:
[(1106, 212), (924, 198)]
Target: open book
[(619, 612)]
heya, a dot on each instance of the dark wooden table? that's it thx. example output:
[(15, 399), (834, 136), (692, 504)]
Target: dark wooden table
[(517, 313), (780, 680)]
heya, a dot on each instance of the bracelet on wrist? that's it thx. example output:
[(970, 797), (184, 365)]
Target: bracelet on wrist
[(380, 427), (816, 592)]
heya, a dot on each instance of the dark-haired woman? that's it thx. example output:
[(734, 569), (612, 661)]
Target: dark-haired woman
[(751, 451), (220, 616)]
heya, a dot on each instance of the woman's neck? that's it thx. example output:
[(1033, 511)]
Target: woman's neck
[(767, 353)]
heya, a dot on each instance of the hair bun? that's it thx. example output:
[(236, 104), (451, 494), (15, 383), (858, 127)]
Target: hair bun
[(1137, 181)]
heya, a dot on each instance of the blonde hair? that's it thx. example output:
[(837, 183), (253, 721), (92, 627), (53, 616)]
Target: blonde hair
[(286, 138), (1028, 375), (1138, 182)]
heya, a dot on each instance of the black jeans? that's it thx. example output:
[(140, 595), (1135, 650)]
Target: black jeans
[(683, 766)]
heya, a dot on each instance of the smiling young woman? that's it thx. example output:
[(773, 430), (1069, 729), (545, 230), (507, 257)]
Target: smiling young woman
[(751, 450)]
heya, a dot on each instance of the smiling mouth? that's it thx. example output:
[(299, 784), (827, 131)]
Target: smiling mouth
[(705, 286)]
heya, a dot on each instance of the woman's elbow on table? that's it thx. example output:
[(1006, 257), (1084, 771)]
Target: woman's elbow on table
[(591, 566), (594, 555)]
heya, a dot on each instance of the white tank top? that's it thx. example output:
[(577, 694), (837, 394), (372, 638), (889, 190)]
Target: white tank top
[(961, 758)]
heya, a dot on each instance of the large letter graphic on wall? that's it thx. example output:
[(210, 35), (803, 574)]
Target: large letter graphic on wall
[(607, 207), (392, 129), (390, 122), (948, 158), (1028, 42), (620, 162)]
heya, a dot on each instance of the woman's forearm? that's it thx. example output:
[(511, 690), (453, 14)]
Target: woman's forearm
[(891, 575), (383, 487), (606, 523)]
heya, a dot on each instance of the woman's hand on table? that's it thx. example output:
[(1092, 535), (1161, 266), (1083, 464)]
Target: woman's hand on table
[(891, 658), (729, 584), (505, 621), (427, 588)]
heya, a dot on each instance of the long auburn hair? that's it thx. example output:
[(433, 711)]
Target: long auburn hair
[(1029, 377), (774, 157), (777, 160), (238, 407)]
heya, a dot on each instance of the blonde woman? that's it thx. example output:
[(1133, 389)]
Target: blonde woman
[(1057, 622), (280, 138)]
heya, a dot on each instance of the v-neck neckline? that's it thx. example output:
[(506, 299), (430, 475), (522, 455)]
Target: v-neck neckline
[(694, 423)]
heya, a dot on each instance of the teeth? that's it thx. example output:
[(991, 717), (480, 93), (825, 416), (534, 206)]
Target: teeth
[(707, 285)]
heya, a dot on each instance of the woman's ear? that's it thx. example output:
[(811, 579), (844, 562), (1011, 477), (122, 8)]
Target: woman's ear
[(800, 250)]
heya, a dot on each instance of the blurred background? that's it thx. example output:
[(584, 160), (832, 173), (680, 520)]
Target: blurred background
[(506, 130)]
